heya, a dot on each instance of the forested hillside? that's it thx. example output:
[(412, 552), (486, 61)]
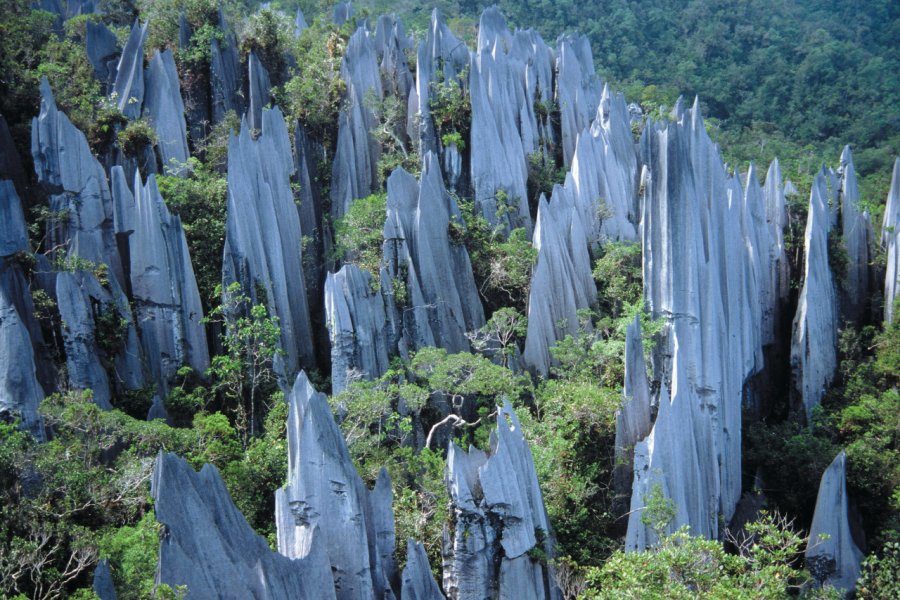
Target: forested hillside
[(449, 300)]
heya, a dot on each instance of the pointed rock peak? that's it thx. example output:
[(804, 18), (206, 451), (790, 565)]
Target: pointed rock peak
[(846, 157), (47, 99), (697, 116)]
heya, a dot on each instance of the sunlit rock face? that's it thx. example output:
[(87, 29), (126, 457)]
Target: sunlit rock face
[(890, 240), (326, 507), (499, 517), (164, 110), (706, 252), (831, 554), (856, 229), (263, 250), (814, 339)]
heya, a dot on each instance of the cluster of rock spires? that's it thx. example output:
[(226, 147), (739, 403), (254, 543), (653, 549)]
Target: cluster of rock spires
[(336, 537), (715, 272)]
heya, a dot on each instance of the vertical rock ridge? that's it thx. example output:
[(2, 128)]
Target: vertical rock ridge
[(164, 109), (890, 239)]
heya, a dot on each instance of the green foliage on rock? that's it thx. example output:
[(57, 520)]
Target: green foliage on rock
[(359, 234)]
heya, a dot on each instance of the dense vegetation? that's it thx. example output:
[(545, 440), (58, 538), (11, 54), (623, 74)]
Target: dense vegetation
[(796, 80)]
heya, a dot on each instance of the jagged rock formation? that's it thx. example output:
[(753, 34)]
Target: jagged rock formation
[(702, 274), (20, 392), (362, 325), (299, 23), (103, 583), (327, 504), (814, 339), (562, 283), (341, 13), (263, 236), (779, 285), (224, 74), (164, 109), (418, 583), (499, 518), (166, 298), (857, 232), (209, 546), (13, 231), (890, 239), (103, 52), (316, 236), (354, 170), (441, 302), (633, 418), (503, 124), (129, 85), (260, 87), (764, 256), (78, 191), (577, 91), (835, 560), (605, 171)]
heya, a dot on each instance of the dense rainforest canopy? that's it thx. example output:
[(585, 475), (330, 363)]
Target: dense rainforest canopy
[(790, 80)]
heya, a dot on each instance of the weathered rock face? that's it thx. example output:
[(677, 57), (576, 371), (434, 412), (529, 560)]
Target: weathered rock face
[(263, 236), (129, 85), (890, 239), (103, 583), (20, 392), (578, 90), (814, 339), (77, 186), (209, 546), (316, 237), (702, 274), (500, 516), (779, 285), (103, 52), (260, 90), (418, 583), (326, 503), (164, 109), (361, 323), (13, 232), (441, 302), (164, 289), (858, 237), (633, 419), (562, 283), (502, 131), (835, 560), (225, 75), (354, 171), (299, 23)]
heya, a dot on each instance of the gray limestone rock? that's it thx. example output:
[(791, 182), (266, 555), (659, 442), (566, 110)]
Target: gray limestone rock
[(776, 217), (166, 298), (562, 283), (890, 240), (316, 237), (263, 235), (326, 502), (103, 52), (224, 76), (499, 513), (442, 302), (835, 560), (354, 171), (856, 230), (418, 582), (209, 547), (129, 85), (341, 13), (299, 23), (814, 337), (13, 231), (103, 582), (20, 392), (633, 418), (260, 90), (578, 90), (362, 332), (164, 109), (703, 269), (77, 185)]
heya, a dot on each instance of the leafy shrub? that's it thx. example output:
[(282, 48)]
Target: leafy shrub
[(136, 136), (359, 234)]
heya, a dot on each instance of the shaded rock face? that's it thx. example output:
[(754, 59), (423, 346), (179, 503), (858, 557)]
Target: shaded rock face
[(835, 560), (164, 109), (856, 229), (779, 285), (578, 90), (418, 582), (354, 170), (890, 240), (77, 188), (814, 338), (224, 75), (260, 87), (499, 517), (129, 85), (605, 172), (562, 283), (263, 235), (316, 237), (166, 298), (103, 52), (103, 583), (10, 162), (209, 547), (13, 231), (441, 302), (703, 267), (362, 325), (326, 505), (20, 392)]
